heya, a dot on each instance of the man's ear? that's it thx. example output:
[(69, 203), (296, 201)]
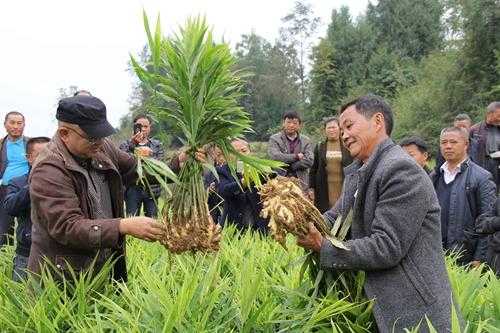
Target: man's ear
[(379, 120), (63, 134)]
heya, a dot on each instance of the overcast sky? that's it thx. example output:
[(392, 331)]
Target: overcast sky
[(47, 45)]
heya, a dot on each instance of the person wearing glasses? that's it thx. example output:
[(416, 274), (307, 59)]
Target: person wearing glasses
[(76, 190)]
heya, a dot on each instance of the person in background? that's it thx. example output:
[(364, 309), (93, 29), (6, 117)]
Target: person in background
[(242, 204), (462, 120), (76, 191), (465, 191), (490, 226), (327, 171), (215, 201), (293, 149), (485, 147), (418, 149), (17, 203), (136, 195), (13, 163)]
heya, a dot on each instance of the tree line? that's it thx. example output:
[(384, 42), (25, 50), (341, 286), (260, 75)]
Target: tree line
[(432, 59)]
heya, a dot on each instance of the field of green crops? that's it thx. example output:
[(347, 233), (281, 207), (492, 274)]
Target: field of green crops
[(251, 285)]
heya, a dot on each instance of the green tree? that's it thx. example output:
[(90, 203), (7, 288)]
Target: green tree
[(408, 28), (298, 30), (273, 86)]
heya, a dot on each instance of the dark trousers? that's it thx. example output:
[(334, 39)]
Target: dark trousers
[(6, 221), (135, 197)]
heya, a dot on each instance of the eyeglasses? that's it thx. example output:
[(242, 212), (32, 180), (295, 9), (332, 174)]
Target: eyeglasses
[(91, 140)]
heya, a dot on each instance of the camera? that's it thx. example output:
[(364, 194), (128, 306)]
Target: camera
[(137, 128)]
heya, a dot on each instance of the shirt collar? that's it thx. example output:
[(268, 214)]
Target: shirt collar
[(458, 169)]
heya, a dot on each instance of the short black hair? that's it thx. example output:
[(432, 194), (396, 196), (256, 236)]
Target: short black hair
[(32, 141), (13, 113), (142, 116), (371, 104), (291, 114), (417, 141)]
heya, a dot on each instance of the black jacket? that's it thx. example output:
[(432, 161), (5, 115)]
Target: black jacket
[(472, 194), (17, 203), (236, 199), (158, 153), (318, 177)]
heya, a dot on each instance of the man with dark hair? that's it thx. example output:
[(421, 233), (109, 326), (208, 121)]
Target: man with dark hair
[(485, 147), (395, 235), (417, 148), (17, 203), (76, 190), (242, 204), (136, 195), (292, 148), (462, 120), (13, 163), (465, 191)]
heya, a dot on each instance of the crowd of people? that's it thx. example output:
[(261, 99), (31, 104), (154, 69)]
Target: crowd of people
[(76, 196)]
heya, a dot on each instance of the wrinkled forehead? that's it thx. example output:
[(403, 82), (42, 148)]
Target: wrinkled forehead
[(348, 115), (14, 118)]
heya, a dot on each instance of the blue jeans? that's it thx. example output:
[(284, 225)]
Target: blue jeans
[(19, 273), (137, 197)]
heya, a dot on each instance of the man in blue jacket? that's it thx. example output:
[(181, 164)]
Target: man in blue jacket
[(17, 203), (242, 205), (13, 164)]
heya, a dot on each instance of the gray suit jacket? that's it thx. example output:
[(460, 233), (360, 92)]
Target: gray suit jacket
[(278, 150), (395, 239)]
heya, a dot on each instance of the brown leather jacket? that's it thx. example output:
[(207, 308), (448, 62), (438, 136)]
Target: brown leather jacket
[(64, 229)]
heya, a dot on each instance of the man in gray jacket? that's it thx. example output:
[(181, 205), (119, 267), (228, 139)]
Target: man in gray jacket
[(292, 148), (395, 235)]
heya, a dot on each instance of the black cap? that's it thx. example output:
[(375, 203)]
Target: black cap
[(88, 112)]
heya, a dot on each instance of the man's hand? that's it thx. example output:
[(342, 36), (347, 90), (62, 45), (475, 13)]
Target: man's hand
[(310, 194), (142, 227), (200, 156), (487, 224), (300, 156), (311, 241), (475, 263), (144, 151), (137, 138)]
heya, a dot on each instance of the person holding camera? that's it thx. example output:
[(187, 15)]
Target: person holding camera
[(136, 196)]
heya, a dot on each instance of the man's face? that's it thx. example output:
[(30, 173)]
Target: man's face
[(418, 156), (493, 118), (146, 126), (14, 125), (332, 130), (453, 147), (78, 143), (359, 135), (241, 147), (291, 126), (36, 148), (465, 124)]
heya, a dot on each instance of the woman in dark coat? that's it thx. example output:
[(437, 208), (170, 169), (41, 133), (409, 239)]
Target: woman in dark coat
[(326, 174)]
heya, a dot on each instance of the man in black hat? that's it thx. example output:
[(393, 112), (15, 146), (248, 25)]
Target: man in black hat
[(76, 189)]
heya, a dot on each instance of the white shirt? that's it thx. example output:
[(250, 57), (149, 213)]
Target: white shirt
[(450, 175)]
